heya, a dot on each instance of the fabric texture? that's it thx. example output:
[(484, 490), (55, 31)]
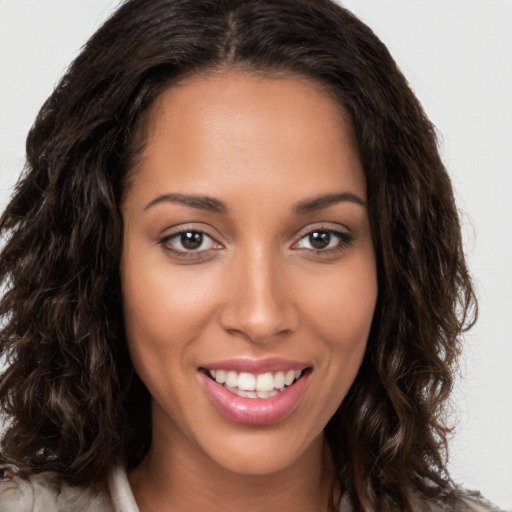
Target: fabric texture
[(46, 492)]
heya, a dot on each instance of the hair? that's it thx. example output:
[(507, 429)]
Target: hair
[(70, 397)]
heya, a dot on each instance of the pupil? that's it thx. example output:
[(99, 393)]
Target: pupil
[(320, 239), (191, 240)]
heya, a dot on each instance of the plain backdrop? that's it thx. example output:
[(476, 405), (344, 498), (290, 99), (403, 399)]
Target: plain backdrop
[(457, 55)]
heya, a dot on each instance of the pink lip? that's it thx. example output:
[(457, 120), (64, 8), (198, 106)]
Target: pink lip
[(254, 411), (257, 365)]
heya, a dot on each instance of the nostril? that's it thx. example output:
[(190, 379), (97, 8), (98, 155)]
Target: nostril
[(258, 307), (258, 326)]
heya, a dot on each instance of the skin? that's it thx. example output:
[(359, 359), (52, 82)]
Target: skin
[(256, 288)]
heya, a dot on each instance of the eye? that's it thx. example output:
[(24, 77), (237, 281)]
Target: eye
[(189, 241), (324, 240)]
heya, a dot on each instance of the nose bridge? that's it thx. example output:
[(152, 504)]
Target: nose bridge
[(258, 304)]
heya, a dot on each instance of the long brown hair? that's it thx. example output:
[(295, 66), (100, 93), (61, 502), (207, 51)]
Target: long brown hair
[(69, 392)]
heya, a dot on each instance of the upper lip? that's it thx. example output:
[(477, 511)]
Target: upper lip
[(256, 366)]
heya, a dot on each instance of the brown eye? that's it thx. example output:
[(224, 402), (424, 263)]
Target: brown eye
[(319, 239), (324, 240), (191, 240)]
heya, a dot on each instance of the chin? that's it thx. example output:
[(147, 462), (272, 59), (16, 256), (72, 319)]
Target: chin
[(265, 453)]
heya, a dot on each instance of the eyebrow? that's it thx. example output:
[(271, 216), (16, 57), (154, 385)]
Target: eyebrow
[(200, 202), (212, 204), (326, 200)]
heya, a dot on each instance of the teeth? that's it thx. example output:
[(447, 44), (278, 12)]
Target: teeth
[(289, 377), (265, 382), (253, 394), (247, 382), (279, 380), (263, 385), (232, 379)]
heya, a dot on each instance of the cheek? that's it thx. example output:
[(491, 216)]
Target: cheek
[(160, 301), (164, 309), (343, 307), (344, 326), (340, 313)]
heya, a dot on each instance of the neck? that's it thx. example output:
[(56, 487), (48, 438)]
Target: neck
[(173, 478)]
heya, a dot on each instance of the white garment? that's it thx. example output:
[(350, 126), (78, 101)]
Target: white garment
[(46, 492), (121, 492)]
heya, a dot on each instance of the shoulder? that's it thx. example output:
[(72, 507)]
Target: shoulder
[(476, 503), (468, 501), (46, 492)]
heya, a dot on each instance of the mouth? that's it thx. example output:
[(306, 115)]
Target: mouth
[(255, 385), (255, 393)]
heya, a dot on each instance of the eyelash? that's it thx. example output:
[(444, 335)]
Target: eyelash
[(344, 240), (184, 253)]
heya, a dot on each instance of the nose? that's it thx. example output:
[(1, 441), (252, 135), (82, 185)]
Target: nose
[(259, 302)]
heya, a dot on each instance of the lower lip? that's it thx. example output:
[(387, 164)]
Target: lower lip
[(255, 411)]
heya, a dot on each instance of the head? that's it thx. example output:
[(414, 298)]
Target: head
[(66, 228)]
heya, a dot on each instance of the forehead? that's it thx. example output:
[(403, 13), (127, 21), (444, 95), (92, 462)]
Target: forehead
[(237, 129)]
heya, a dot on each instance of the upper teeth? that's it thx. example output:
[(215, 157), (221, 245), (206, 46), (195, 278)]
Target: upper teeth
[(255, 382)]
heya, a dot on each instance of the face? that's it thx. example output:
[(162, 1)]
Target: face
[(248, 271)]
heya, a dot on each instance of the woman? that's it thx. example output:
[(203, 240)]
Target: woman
[(233, 271)]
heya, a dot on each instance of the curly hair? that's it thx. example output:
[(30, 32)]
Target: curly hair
[(70, 396)]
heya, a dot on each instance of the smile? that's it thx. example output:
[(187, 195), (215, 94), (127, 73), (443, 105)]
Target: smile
[(250, 385), (255, 392)]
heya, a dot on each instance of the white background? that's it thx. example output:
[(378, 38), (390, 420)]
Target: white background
[(457, 55)]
